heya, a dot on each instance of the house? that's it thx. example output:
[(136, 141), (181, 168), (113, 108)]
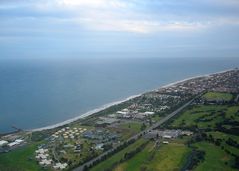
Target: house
[(16, 142), (60, 165), (99, 146), (165, 142), (167, 136), (148, 113)]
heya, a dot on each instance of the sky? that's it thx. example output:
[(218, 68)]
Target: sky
[(118, 28)]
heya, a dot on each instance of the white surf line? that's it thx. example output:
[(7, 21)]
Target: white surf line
[(91, 112)]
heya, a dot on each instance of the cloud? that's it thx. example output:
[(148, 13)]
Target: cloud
[(91, 3), (117, 15), (139, 26), (139, 16)]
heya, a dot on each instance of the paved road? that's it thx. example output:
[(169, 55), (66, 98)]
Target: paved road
[(166, 118)]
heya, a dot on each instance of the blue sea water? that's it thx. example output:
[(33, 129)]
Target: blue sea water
[(37, 93)]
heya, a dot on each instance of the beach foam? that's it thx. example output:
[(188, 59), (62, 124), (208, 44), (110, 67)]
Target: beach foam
[(91, 112)]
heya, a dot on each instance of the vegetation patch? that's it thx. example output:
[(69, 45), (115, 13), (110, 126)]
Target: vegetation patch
[(217, 96), (21, 159), (201, 116), (166, 157), (215, 158), (169, 157), (111, 162)]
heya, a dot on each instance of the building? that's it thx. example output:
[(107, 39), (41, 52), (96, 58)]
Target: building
[(3, 142), (99, 146), (60, 166), (166, 134), (148, 113), (106, 121), (16, 142)]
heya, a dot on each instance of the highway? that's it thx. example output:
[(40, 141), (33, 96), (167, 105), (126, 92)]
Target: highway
[(135, 137)]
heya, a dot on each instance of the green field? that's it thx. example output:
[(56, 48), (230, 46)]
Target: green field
[(21, 159), (233, 112), (170, 157), (204, 112), (167, 157), (224, 137), (211, 96), (133, 126), (128, 129), (215, 158), (117, 156), (136, 162), (206, 116)]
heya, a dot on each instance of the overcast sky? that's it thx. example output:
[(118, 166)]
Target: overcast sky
[(126, 28)]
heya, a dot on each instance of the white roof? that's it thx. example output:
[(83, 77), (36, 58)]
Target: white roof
[(46, 162), (60, 165), (3, 142), (12, 144), (41, 150), (41, 163), (121, 112), (167, 136), (42, 156), (19, 140), (125, 110), (149, 113)]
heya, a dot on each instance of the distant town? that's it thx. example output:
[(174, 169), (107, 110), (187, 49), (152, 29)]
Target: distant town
[(171, 128)]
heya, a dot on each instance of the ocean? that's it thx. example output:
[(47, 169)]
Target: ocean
[(41, 92)]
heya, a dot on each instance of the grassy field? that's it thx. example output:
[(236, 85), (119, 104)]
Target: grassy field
[(156, 118), (191, 117), (166, 157), (215, 158), (116, 157), (138, 160), (224, 137), (206, 116), (127, 129), (211, 96), (233, 112), (133, 126), (169, 157), (21, 159), (213, 116)]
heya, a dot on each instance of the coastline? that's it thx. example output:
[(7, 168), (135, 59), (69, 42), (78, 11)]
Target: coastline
[(91, 112), (103, 107)]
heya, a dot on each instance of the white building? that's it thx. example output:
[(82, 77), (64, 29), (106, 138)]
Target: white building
[(3, 142), (60, 165)]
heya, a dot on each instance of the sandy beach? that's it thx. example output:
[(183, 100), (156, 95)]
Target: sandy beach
[(91, 112)]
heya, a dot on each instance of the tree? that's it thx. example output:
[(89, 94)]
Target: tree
[(143, 127)]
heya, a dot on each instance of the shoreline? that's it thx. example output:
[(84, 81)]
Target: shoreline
[(103, 107), (90, 112)]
